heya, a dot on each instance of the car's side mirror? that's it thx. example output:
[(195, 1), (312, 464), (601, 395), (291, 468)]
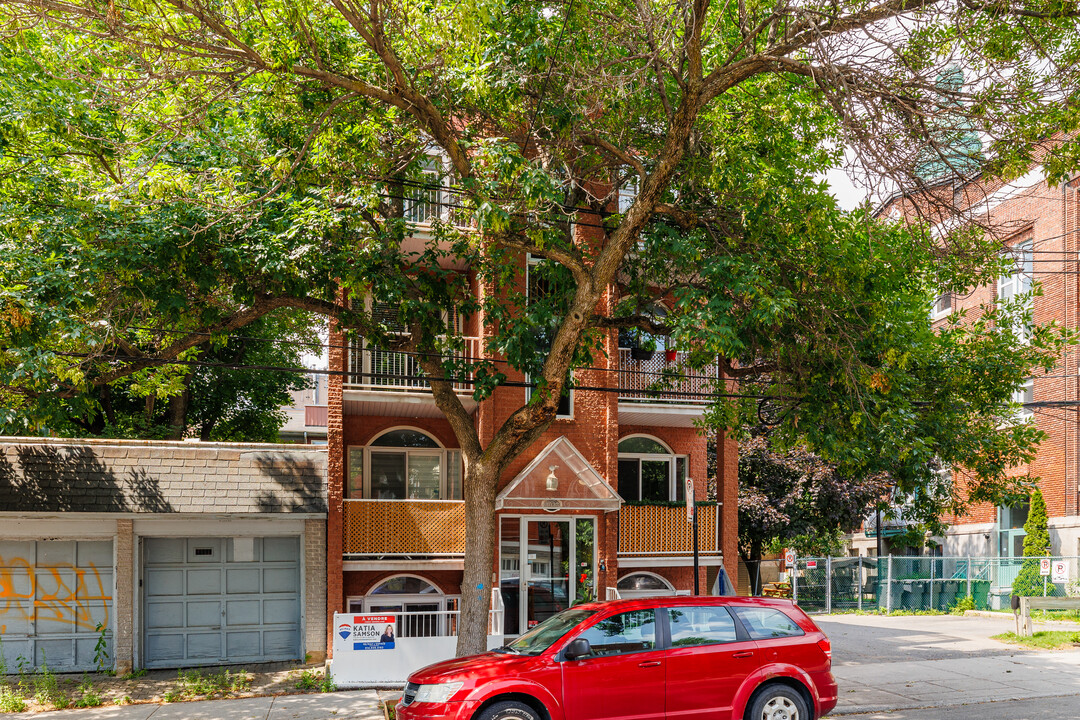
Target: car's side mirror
[(577, 649)]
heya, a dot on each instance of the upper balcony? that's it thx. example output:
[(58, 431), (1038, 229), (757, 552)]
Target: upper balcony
[(650, 396), (385, 382)]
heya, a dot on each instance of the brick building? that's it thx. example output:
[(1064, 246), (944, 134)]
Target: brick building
[(1039, 229), (590, 510)]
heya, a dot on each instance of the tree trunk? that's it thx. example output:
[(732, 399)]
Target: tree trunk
[(480, 533), (176, 414)]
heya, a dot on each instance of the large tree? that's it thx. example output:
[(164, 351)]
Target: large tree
[(194, 166), (791, 497)]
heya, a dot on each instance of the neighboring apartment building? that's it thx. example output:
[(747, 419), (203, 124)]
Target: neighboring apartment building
[(176, 554), (590, 510), (1039, 225), (305, 422)]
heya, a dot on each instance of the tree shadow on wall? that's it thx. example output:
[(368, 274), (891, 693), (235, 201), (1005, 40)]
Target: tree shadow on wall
[(74, 479), (301, 485)]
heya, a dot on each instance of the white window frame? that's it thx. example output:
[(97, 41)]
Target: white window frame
[(671, 458), (936, 313), (530, 261), (1019, 396), (632, 594), (1019, 281), (443, 453), (628, 193)]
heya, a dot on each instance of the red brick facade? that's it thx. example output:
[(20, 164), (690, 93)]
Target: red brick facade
[(594, 431), (1029, 210)]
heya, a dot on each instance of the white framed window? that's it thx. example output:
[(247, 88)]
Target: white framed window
[(1018, 282), (426, 194), (537, 287), (422, 608), (628, 193), (942, 307), (1022, 397), (404, 464), (649, 470)]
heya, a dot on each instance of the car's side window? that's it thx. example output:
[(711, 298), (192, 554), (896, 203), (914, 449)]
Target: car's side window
[(627, 632), (766, 623), (691, 626)]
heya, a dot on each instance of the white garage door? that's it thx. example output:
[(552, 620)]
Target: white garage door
[(54, 596), (220, 600)]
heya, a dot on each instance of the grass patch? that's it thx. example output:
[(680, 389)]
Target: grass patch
[(11, 701), (884, 612), (1043, 640)]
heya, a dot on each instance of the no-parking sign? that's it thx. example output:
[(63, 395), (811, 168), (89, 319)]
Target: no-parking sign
[(1044, 566), (1059, 572)]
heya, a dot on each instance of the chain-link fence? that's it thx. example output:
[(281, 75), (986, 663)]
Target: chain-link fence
[(917, 583)]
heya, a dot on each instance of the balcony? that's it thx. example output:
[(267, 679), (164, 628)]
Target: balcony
[(385, 382), (649, 395), (651, 531), (403, 529)]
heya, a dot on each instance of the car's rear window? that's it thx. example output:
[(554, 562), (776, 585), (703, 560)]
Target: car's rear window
[(766, 623), (692, 626)]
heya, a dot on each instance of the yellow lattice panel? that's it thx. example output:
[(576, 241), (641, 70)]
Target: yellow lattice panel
[(404, 527), (660, 529)]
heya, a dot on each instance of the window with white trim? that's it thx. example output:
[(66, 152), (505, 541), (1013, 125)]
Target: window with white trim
[(1018, 282), (538, 287), (1022, 397), (942, 307), (649, 470), (628, 193), (404, 464)]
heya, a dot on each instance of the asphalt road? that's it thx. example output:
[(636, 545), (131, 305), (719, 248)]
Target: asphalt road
[(871, 639), (923, 667)]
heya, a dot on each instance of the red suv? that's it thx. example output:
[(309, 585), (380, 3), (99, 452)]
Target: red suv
[(650, 659)]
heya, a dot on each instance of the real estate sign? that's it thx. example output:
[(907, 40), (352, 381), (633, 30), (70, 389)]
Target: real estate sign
[(365, 632)]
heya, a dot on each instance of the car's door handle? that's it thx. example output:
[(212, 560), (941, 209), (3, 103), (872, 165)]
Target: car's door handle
[(743, 654), (651, 663)]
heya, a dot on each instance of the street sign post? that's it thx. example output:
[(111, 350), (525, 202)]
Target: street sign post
[(691, 516)]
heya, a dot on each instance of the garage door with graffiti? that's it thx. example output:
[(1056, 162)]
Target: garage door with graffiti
[(56, 599), (220, 600)]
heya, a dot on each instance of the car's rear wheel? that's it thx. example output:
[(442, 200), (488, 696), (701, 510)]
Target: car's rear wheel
[(779, 702), (508, 710)]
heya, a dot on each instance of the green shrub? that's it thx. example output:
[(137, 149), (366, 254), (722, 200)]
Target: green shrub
[(46, 687), (89, 696), (962, 605), (315, 680), (10, 700)]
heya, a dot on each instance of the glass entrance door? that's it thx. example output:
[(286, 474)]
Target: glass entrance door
[(545, 566)]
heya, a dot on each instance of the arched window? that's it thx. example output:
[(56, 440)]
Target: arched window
[(404, 464), (420, 606), (648, 470), (643, 584)]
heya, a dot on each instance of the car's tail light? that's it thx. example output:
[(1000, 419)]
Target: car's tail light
[(826, 647)]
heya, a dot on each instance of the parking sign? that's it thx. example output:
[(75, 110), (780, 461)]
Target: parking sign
[(1059, 573), (1044, 566)]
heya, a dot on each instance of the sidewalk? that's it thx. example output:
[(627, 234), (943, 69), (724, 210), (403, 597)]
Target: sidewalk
[(360, 704)]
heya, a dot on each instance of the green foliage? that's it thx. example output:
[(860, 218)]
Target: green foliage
[(1037, 538), (89, 696), (101, 651), (46, 688), (1042, 640), (315, 681), (1029, 581), (10, 700), (198, 684), (134, 674), (172, 177), (962, 605)]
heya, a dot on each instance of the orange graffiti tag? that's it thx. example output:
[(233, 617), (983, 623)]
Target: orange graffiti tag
[(63, 594)]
